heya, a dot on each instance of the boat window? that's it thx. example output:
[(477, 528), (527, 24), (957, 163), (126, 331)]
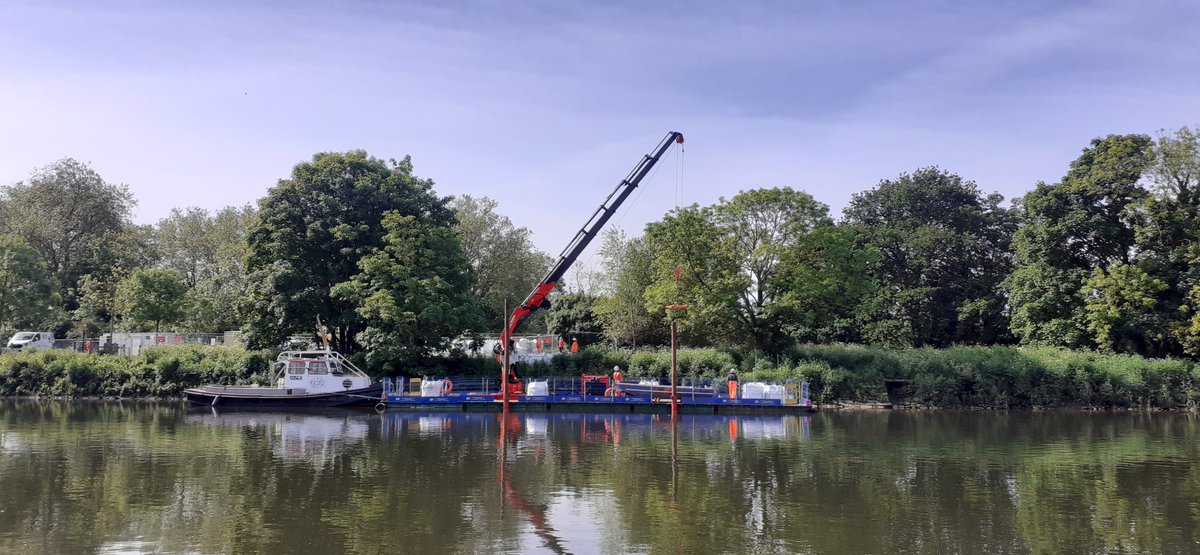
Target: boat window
[(335, 368), (296, 366), (318, 367)]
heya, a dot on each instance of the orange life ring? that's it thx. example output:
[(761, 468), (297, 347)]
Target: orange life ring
[(447, 387), (610, 392)]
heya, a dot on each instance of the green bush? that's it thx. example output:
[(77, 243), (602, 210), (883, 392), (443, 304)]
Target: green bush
[(157, 372)]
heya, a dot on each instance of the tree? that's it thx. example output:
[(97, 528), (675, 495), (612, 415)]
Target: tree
[(505, 262), (152, 296), (628, 271), (1121, 309), (1067, 231), (571, 316), (1167, 227), (28, 293), (414, 293), (729, 259), (209, 251), (943, 250), (825, 279), (99, 306), (311, 232), (67, 213)]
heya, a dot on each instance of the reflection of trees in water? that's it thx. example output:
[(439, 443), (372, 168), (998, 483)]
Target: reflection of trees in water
[(75, 476)]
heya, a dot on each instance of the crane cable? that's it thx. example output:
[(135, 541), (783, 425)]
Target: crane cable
[(679, 177)]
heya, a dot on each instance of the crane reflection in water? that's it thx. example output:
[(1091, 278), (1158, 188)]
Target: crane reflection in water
[(521, 442)]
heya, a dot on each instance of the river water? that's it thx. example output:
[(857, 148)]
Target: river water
[(93, 477)]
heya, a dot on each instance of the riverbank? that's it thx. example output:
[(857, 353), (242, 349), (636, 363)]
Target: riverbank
[(960, 377), (161, 372)]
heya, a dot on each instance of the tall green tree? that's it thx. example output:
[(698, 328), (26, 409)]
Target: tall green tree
[(826, 279), (572, 316), (731, 254), (99, 305), (28, 293), (311, 232), (152, 296), (209, 251), (504, 260), (414, 294), (628, 271), (1167, 226), (688, 240), (943, 249), (1068, 230), (1121, 309), (70, 215)]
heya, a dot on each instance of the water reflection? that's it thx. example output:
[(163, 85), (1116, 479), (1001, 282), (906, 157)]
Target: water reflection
[(313, 438), (107, 477)]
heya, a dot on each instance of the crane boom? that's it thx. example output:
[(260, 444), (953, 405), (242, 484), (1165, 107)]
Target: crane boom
[(537, 297)]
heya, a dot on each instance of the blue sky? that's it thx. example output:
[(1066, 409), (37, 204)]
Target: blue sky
[(546, 105)]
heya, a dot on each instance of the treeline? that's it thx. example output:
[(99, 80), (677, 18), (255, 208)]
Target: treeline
[(364, 250), (315, 250), (1107, 258)]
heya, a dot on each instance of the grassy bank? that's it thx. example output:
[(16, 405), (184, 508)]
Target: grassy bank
[(977, 377), (158, 372)]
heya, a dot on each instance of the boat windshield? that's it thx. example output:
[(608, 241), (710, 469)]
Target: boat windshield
[(318, 367)]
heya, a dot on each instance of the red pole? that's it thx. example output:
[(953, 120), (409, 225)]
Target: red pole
[(674, 377), (504, 363)]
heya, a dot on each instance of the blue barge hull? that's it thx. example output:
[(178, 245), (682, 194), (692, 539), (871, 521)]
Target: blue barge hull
[(594, 403)]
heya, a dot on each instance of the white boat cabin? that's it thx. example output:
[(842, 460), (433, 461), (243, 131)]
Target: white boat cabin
[(318, 372)]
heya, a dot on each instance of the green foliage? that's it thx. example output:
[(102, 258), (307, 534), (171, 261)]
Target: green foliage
[(28, 293), (1069, 229), (689, 240), (413, 294), (571, 315), (98, 308), (1007, 377), (157, 372), (505, 262), (622, 311), (313, 229), (1121, 313), (72, 217), (209, 251), (152, 297), (943, 249), (826, 279), (730, 256)]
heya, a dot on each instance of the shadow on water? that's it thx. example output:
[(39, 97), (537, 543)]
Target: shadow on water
[(84, 477)]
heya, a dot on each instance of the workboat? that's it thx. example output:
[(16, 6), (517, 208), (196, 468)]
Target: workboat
[(302, 379)]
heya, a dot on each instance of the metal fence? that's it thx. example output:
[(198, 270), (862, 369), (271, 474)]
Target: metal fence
[(556, 385)]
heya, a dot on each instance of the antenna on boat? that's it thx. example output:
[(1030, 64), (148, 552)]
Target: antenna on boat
[(323, 335)]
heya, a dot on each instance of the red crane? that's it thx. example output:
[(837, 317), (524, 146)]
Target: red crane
[(537, 298)]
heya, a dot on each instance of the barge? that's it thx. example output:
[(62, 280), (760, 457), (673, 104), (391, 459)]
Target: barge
[(622, 397)]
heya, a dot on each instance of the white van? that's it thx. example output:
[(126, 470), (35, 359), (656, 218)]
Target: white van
[(32, 340)]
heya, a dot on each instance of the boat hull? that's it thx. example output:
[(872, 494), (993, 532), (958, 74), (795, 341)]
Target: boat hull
[(272, 397)]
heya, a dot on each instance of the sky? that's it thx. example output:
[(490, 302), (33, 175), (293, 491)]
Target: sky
[(545, 106)]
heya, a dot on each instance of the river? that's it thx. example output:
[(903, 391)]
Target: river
[(108, 477)]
